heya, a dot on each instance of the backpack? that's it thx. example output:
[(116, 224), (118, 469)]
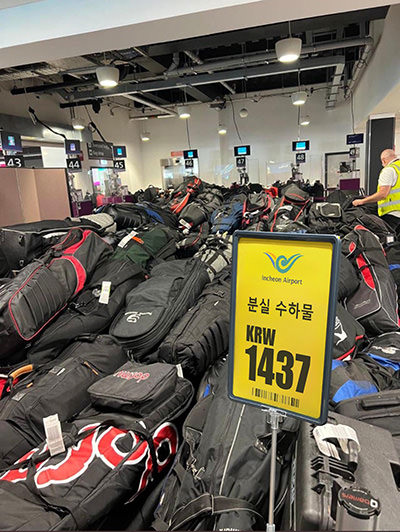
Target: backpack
[(41, 290), (148, 245), (201, 336), (374, 303), (326, 217), (59, 387), (92, 311), (111, 453), (157, 303), (218, 481)]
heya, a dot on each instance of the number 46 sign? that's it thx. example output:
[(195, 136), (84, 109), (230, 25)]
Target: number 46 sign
[(283, 309)]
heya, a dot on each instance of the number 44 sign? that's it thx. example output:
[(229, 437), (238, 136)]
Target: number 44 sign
[(283, 310)]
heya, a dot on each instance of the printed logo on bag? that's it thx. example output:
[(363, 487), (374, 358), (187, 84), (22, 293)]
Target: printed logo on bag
[(128, 375), (340, 333), (101, 446), (133, 316), (283, 264)]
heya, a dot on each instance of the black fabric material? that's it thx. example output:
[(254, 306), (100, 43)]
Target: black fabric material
[(23, 243), (393, 258), (392, 221), (348, 279), (59, 387), (256, 211), (202, 334), (374, 303), (154, 306), (44, 288), (348, 334), (85, 314), (193, 241), (228, 217), (326, 218), (136, 214), (225, 453)]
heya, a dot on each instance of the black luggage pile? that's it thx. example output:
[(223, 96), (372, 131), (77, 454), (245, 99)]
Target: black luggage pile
[(118, 322)]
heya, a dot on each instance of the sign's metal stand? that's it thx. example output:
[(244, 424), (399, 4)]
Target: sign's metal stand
[(274, 418)]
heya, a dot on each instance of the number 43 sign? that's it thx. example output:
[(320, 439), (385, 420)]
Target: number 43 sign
[(283, 310)]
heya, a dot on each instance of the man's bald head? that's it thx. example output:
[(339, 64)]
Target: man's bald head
[(387, 156)]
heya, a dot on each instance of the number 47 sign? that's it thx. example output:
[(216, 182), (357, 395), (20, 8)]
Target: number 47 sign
[(283, 310)]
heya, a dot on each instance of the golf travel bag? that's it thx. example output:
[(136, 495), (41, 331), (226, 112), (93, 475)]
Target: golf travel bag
[(23, 243), (218, 481), (374, 303), (56, 388), (186, 192), (92, 311), (156, 304), (326, 218), (41, 290), (228, 217), (256, 211), (201, 336), (111, 453), (348, 335), (291, 207)]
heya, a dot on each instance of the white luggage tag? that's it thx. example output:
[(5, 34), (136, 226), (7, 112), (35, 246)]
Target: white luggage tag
[(52, 428), (105, 292), (126, 239), (342, 433)]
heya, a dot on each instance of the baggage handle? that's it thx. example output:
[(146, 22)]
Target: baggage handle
[(13, 376), (379, 402)]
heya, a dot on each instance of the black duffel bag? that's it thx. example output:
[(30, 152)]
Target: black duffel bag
[(155, 305), (56, 388)]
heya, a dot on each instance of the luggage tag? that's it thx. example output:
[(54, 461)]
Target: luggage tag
[(126, 239), (342, 433), (105, 292), (54, 437), (179, 370)]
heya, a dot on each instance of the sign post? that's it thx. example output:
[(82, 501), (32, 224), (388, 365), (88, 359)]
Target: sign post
[(283, 309)]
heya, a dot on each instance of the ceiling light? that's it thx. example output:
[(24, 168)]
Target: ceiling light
[(288, 50), (145, 136), (243, 113), (108, 76), (183, 112), (222, 129), (77, 124), (165, 116), (305, 121), (299, 98)]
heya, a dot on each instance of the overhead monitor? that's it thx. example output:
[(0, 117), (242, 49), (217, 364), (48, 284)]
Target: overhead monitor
[(11, 141), (190, 154), (119, 152), (241, 151), (72, 147), (356, 138), (300, 145)]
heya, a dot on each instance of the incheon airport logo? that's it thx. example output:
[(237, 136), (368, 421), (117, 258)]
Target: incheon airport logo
[(283, 264)]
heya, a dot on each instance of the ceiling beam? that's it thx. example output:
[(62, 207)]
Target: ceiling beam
[(216, 77), (198, 94)]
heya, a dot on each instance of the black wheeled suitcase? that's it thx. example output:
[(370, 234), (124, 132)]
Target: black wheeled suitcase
[(319, 481), (379, 409)]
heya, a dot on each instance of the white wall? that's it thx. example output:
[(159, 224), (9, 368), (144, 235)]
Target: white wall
[(117, 129), (270, 129)]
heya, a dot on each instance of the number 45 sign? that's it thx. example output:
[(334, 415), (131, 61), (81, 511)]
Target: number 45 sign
[(283, 309)]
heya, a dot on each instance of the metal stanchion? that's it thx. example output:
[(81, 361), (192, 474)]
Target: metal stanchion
[(275, 417)]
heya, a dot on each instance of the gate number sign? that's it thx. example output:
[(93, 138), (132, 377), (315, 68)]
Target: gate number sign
[(283, 310), (14, 161)]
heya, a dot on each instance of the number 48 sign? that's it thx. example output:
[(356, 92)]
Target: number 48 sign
[(283, 312)]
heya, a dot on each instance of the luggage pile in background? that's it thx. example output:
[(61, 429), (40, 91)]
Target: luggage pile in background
[(118, 322)]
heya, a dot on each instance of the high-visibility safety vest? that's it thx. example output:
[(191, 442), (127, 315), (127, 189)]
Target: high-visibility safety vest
[(392, 201)]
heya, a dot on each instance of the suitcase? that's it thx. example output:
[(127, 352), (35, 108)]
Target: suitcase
[(316, 479), (379, 409)]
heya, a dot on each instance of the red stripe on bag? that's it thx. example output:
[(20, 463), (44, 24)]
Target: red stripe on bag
[(365, 272)]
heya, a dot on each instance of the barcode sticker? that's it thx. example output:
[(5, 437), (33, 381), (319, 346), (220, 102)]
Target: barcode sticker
[(126, 239), (286, 400), (105, 292), (52, 428)]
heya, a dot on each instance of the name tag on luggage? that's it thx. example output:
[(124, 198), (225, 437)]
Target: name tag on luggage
[(105, 292)]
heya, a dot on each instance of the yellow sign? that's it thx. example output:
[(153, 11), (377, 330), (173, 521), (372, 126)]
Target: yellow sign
[(282, 321)]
